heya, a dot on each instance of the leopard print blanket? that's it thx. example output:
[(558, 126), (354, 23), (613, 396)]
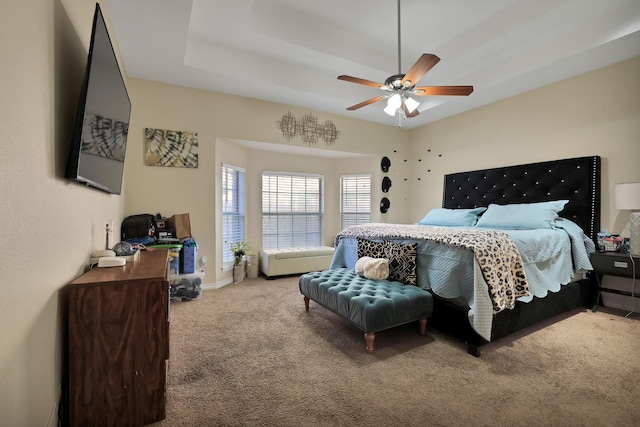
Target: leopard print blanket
[(495, 252)]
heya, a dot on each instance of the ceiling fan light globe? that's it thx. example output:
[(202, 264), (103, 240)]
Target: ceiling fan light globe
[(395, 101), (390, 110), (411, 104)]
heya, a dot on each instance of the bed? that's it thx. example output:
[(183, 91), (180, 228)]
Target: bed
[(469, 302)]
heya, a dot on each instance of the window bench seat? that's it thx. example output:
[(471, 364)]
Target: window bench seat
[(282, 262)]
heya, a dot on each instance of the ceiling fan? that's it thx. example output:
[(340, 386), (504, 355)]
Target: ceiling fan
[(400, 87)]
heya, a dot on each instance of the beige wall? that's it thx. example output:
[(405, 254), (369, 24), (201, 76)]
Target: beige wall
[(593, 114), (597, 113), (220, 120), (50, 226)]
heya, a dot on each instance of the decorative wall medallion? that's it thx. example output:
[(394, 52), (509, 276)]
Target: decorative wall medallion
[(308, 128), (171, 148), (287, 124)]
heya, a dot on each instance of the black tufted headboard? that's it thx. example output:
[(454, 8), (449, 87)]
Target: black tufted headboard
[(576, 180)]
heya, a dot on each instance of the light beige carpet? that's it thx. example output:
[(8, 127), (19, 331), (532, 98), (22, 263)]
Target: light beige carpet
[(249, 355)]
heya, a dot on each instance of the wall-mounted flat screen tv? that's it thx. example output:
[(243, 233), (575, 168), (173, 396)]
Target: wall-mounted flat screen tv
[(96, 156)]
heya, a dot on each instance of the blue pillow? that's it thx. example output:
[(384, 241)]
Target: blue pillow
[(522, 216), (452, 217)]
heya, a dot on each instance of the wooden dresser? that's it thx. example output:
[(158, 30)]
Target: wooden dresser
[(119, 343)]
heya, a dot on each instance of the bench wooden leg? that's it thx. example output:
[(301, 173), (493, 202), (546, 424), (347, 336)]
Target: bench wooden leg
[(369, 337), (423, 325), (306, 303)]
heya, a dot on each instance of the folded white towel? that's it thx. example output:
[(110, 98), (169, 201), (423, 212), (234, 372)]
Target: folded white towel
[(360, 265), (377, 269)]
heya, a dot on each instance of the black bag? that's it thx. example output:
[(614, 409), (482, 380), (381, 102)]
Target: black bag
[(138, 226)]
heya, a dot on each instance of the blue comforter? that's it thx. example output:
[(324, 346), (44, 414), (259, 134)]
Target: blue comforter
[(552, 258)]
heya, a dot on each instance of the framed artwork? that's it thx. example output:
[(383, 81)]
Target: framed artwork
[(171, 148)]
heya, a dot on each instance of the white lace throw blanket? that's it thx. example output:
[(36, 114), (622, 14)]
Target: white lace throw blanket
[(496, 254)]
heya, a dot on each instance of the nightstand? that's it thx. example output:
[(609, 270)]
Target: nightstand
[(614, 264)]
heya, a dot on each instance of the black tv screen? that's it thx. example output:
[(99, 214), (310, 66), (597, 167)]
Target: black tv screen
[(99, 143)]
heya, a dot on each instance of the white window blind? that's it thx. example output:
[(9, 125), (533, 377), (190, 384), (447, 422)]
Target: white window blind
[(355, 200), (233, 208), (292, 210)]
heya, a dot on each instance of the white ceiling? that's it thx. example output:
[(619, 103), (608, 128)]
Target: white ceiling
[(291, 51)]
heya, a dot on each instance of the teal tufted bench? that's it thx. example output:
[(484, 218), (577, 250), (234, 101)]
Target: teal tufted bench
[(370, 305)]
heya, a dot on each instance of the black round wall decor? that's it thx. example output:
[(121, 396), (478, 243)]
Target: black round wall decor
[(384, 205), (385, 164), (386, 184)]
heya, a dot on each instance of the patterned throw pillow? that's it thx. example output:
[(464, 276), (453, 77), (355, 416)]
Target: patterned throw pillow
[(371, 249), (402, 262)]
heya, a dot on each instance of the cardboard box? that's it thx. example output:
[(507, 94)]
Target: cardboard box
[(181, 224)]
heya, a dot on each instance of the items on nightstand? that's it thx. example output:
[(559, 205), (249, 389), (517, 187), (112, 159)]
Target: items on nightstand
[(608, 242)]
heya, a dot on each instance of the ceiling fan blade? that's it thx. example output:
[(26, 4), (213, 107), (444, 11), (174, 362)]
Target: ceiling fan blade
[(426, 62), (407, 113), (362, 82), (442, 90), (367, 102)]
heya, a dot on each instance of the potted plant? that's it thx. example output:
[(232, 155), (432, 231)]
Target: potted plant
[(239, 250)]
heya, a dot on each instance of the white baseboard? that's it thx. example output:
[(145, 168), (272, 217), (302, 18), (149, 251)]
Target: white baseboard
[(53, 416), (218, 285)]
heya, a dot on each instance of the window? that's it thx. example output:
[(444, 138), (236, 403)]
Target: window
[(292, 210), (233, 208), (355, 200)]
